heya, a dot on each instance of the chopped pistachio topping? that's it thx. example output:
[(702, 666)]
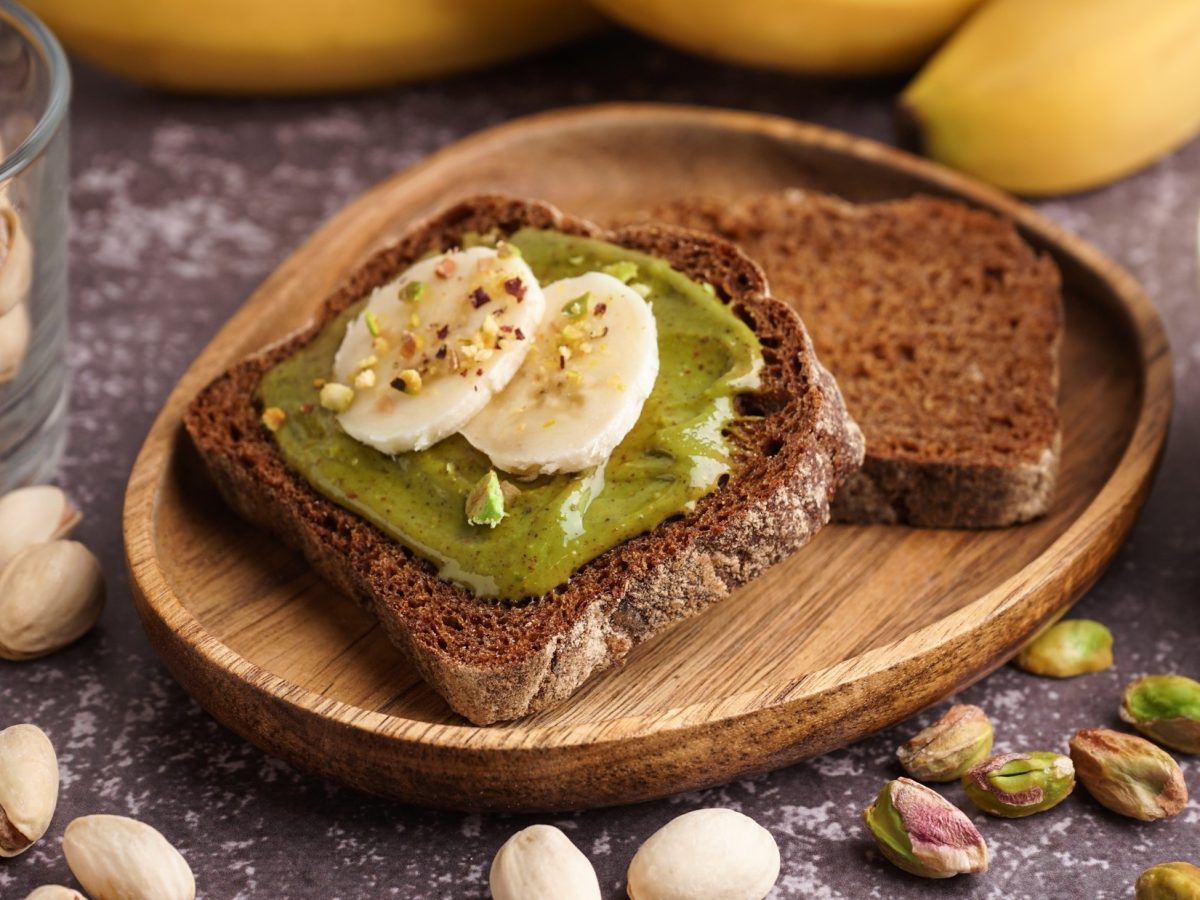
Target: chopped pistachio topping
[(642, 290), (708, 289), (505, 250), (413, 291), (273, 417), (364, 379), (624, 270), (408, 382), (577, 308), (336, 397), (372, 321), (485, 503)]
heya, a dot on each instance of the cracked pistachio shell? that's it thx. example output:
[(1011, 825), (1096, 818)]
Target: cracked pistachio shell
[(1013, 785), (50, 595), (16, 259), (1169, 881), (1165, 708), (706, 854), (28, 787), (541, 863), (920, 831), (34, 515), (949, 747), (1068, 648), (116, 858), (15, 329), (1128, 774), (55, 892)]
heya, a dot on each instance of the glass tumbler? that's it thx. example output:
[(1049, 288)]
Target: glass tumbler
[(35, 87)]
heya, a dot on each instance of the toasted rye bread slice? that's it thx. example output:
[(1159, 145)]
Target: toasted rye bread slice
[(942, 328), (494, 661)]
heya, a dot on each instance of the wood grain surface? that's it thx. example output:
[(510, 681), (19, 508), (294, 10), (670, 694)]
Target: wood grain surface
[(862, 628)]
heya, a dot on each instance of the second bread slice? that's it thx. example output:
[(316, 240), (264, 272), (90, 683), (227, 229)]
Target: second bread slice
[(942, 327)]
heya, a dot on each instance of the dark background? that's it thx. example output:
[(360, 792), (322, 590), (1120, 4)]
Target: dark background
[(182, 206)]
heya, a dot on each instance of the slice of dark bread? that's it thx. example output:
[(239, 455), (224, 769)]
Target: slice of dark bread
[(494, 661), (942, 327)]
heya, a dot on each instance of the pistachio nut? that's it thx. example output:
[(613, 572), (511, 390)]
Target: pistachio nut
[(15, 329), (1128, 774), (28, 787), (1068, 648), (949, 747), (706, 854), (116, 858), (1169, 881), (1165, 708), (541, 863), (920, 831), (16, 259), (34, 515), (50, 595), (1013, 785), (55, 892)]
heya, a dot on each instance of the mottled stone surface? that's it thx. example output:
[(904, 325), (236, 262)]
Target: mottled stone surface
[(182, 206)]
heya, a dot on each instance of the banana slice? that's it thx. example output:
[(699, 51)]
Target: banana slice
[(583, 386), (432, 347)]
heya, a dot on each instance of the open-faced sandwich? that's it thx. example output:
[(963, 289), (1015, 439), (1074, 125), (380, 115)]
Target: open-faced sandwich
[(527, 444)]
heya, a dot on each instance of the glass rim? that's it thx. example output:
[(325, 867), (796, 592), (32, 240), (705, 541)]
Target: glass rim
[(37, 34)]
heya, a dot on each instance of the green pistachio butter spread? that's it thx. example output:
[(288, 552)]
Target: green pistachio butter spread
[(675, 454)]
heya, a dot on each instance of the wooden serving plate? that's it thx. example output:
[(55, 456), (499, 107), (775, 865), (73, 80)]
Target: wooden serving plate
[(862, 628)]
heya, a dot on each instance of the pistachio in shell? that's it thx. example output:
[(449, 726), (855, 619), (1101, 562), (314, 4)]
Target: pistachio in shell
[(1128, 774)]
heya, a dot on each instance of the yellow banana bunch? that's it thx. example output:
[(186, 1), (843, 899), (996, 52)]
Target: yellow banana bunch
[(299, 46), (1051, 96), (838, 37)]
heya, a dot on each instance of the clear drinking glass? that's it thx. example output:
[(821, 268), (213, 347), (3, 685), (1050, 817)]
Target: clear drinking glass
[(35, 88)]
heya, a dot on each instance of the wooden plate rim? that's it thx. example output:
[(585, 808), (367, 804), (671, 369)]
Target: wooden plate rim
[(1117, 499)]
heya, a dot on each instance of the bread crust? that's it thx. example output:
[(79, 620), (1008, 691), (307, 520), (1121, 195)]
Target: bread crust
[(493, 661), (851, 271)]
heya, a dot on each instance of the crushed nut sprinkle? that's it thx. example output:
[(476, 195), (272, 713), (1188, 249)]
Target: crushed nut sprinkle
[(518, 334), (414, 290), (372, 321), (441, 352), (380, 344), (479, 297), (409, 382), (409, 345), (336, 397), (599, 309), (442, 332), (365, 379), (367, 362), (506, 250), (515, 287), (445, 268), (414, 321), (577, 308), (642, 290), (273, 417)]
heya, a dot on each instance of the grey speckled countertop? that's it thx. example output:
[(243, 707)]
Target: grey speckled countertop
[(182, 206)]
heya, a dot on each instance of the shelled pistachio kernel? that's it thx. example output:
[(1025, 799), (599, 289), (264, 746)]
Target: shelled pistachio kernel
[(1068, 648), (1169, 881), (921, 832), (1013, 785), (485, 503), (1128, 774), (949, 747), (28, 787), (1165, 708)]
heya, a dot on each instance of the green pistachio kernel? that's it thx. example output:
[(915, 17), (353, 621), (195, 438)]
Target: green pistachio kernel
[(949, 747), (485, 503), (1013, 785), (1068, 648), (577, 308), (1128, 774), (921, 832), (622, 270), (1169, 881), (1165, 708), (372, 321), (413, 291)]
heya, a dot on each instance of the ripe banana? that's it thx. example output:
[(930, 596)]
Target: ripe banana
[(837, 37), (300, 46), (433, 346), (1049, 97), (593, 364)]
